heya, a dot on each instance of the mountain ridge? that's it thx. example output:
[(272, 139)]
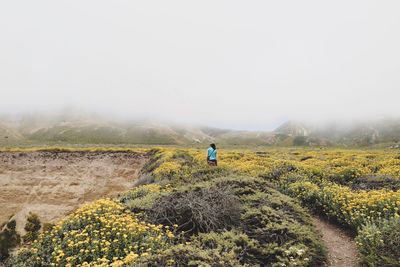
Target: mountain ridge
[(77, 129)]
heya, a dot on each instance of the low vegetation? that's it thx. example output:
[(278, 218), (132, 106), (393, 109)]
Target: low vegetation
[(196, 210), (356, 188), (184, 213), (32, 228), (102, 233), (9, 239), (379, 243)]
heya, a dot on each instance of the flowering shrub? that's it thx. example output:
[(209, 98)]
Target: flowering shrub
[(228, 249), (353, 208), (167, 169), (374, 182), (142, 197), (379, 243), (98, 234), (330, 163), (324, 179), (32, 228), (321, 179)]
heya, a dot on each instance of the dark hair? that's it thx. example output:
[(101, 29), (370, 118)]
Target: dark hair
[(213, 146)]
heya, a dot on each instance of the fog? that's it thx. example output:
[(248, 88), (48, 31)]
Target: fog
[(228, 64)]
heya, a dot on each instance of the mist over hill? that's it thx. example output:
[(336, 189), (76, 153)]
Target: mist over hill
[(356, 133), (75, 128)]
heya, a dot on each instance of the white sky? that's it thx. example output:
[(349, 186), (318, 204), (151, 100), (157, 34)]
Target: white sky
[(233, 64)]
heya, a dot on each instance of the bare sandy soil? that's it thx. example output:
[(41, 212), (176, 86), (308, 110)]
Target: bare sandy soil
[(52, 184)]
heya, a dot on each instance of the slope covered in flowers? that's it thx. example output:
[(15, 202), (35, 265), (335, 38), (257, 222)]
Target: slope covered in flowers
[(357, 188), (257, 225), (191, 215), (320, 177), (102, 233)]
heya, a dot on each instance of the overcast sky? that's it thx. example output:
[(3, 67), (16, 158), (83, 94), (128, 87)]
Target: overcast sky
[(233, 64)]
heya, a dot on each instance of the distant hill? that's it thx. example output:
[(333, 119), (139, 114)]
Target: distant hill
[(374, 132), (292, 128), (8, 134), (86, 129), (385, 131)]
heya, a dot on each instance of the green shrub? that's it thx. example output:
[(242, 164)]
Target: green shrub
[(9, 239), (246, 251), (47, 227), (32, 228), (142, 198), (242, 186), (276, 222), (374, 182), (277, 172), (154, 161), (379, 243), (345, 176), (307, 192), (188, 255), (271, 226), (184, 158), (230, 248), (206, 174), (26, 258)]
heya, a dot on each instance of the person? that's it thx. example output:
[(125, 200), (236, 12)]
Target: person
[(212, 155)]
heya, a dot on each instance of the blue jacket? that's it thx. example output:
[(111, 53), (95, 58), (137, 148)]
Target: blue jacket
[(211, 154)]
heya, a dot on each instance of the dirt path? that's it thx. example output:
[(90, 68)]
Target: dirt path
[(342, 251)]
